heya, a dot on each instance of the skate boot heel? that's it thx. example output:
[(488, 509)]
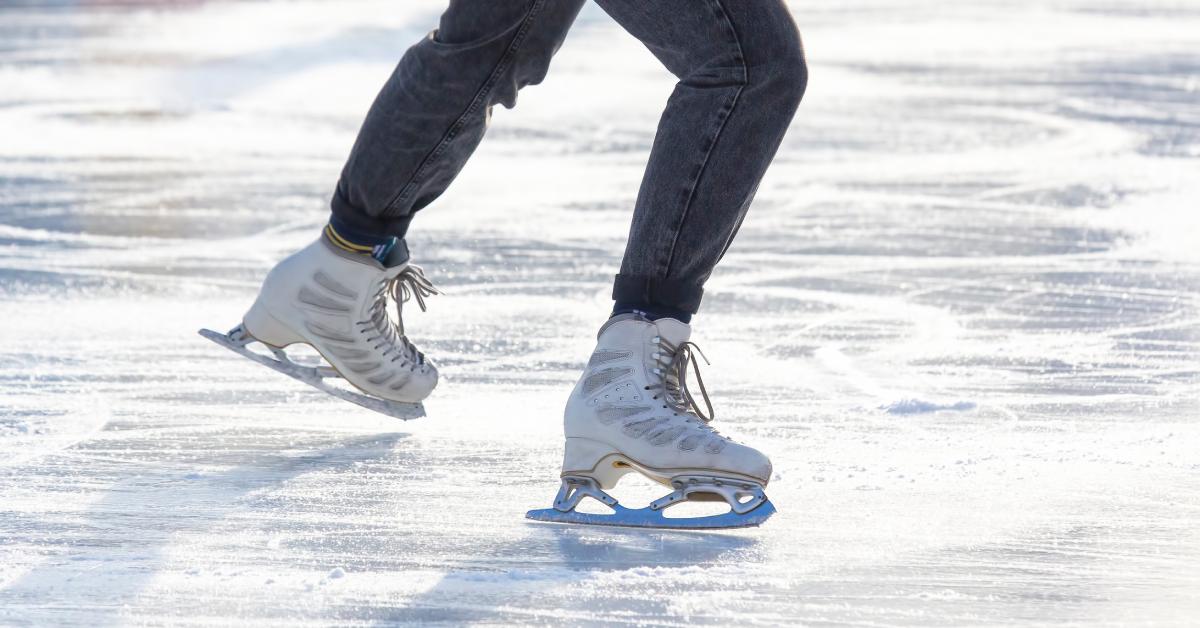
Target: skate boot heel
[(267, 329), (594, 459)]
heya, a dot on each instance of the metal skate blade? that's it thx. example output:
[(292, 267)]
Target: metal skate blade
[(394, 409), (647, 518)]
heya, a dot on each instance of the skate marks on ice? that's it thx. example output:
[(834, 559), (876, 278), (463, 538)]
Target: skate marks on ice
[(319, 377), (128, 530), (576, 575)]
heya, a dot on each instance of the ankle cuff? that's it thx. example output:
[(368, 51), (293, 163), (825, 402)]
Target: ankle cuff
[(657, 295), (347, 215)]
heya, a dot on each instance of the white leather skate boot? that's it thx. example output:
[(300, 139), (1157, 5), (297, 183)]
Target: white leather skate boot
[(336, 302), (632, 411)]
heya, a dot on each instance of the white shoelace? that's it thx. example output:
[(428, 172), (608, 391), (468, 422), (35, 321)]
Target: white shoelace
[(673, 361)]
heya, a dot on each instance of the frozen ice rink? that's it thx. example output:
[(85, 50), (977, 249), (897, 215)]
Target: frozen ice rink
[(963, 316)]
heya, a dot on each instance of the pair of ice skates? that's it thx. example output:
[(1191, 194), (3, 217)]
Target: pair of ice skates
[(631, 411)]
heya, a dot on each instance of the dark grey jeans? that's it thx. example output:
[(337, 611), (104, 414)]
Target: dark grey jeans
[(741, 75)]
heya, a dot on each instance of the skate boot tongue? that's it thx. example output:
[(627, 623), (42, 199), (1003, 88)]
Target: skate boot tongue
[(673, 331), (675, 356)]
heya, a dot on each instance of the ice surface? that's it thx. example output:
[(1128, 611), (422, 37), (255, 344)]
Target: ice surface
[(963, 316)]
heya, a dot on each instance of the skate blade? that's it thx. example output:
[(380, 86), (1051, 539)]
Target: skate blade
[(648, 518), (310, 376)]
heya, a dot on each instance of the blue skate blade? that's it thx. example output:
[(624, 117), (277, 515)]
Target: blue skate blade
[(394, 409), (647, 518)]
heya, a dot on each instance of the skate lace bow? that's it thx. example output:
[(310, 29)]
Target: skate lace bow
[(673, 361), (410, 283)]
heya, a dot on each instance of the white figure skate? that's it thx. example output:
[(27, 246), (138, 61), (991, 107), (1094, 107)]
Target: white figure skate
[(632, 411), (336, 302)]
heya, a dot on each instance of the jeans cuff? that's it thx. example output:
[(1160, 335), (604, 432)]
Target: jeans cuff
[(665, 293), (356, 219)]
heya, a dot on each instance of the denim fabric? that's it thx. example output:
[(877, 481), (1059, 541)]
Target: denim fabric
[(741, 72)]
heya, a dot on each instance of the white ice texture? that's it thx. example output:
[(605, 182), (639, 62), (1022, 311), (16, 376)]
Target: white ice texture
[(963, 316)]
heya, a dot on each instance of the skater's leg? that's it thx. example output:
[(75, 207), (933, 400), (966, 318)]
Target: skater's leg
[(432, 112), (741, 75), (334, 294)]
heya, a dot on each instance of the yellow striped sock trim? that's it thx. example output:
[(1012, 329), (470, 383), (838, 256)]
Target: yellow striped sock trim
[(345, 244)]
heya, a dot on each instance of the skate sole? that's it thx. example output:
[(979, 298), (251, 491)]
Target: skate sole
[(613, 466), (647, 518), (690, 485), (310, 376)]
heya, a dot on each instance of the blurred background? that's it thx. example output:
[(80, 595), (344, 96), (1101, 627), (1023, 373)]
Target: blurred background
[(963, 316)]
